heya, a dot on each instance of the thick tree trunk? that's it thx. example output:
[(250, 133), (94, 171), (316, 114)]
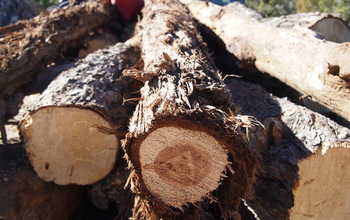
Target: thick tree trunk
[(43, 39), (312, 66), (305, 158), (183, 146), (70, 133)]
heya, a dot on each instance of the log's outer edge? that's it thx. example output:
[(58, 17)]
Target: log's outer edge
[(238, 149), (110, 61)]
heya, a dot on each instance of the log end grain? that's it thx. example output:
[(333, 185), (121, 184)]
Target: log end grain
[(180, 165), (184, 163), (323, 191), (66, 145)]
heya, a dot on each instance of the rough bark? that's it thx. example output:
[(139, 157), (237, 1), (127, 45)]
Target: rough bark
[(305, 158), (295, 56), (25, 196), (71, 132), (43, 39), (184, 147)]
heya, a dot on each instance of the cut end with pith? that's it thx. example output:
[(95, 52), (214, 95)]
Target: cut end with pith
[(179, 166), (66, 145)]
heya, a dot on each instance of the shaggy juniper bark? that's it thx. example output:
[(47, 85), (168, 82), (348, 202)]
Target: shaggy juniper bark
[(183, 147), (69, 133)]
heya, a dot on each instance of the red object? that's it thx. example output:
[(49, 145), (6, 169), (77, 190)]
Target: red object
[(128, 8)]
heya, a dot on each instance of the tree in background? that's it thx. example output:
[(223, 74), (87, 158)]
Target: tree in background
[(337, 7), (272, 8)]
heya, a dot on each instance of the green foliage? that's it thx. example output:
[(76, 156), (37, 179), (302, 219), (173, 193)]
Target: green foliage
[(338, 7), (47, 3), (271, 8)]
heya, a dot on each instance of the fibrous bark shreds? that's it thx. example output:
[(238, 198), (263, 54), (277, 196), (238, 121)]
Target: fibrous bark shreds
[(70, 133), (183, 146)]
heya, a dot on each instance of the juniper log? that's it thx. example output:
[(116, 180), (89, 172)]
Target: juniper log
[(42, 40), (70, 133), (183, 146), (310, 65)]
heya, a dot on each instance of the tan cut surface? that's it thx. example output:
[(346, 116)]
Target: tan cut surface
[(180, 165), (65, 145), (324, 190)]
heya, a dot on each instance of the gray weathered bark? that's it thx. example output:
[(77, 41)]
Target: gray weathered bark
[(292, 137)]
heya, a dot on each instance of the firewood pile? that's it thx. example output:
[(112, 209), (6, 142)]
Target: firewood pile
[(184, 113)]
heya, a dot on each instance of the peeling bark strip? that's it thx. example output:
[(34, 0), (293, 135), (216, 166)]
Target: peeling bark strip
[(312, 66), (70, 134), (43, 40), (182, 146)]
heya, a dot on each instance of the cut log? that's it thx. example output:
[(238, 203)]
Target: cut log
[(312, 66), (183, 145), (43, 39), (305, 158), (70, 133), (330, 27)]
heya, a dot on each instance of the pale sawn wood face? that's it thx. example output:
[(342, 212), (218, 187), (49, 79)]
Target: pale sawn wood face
[(179, 164), (66, 146)]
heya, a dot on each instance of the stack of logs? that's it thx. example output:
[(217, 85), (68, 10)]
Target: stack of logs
[(155, 114)]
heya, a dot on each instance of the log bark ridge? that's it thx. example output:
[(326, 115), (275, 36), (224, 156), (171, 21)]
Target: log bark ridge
[(70, 133), (298, 148), (43, 39), (183, 145), (312, 66)]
